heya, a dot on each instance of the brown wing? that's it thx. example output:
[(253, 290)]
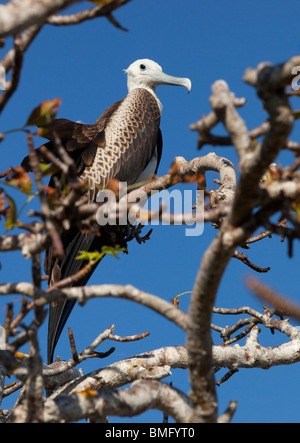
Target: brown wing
[(79, 139)]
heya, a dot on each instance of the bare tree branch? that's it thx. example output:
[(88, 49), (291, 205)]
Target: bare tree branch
[(20, 14), (83, 294), (99, 11), (141, 396), (270, 83)]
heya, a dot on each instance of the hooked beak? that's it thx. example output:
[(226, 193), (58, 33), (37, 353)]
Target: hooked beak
[(160, 78)]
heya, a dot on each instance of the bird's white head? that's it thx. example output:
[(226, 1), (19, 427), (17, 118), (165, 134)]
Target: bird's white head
[(147, 74)]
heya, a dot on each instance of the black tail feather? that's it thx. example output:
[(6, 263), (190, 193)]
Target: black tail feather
[(68, 265)]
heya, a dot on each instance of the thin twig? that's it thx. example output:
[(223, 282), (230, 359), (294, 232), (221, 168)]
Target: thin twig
[(73, 346), (227, 376), (244, 258)]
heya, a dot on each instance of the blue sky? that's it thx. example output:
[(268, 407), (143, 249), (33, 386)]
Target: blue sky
[(83, 65)]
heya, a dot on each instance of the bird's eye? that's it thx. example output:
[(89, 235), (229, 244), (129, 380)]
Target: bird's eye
[(142, 67)]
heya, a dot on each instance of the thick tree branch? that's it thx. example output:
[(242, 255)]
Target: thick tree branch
[(199, 165), (253, 164), (140, 397), (20, 14)]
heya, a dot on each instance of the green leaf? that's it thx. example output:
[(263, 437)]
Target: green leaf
[(112, 250), (48, 169), (94, 257)]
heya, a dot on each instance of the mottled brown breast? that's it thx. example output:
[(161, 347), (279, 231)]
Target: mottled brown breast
[(130, 138)]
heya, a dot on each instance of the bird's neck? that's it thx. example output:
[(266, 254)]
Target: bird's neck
[(152, 91)]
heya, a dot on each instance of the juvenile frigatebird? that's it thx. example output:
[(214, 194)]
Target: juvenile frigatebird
[(124, 143)]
